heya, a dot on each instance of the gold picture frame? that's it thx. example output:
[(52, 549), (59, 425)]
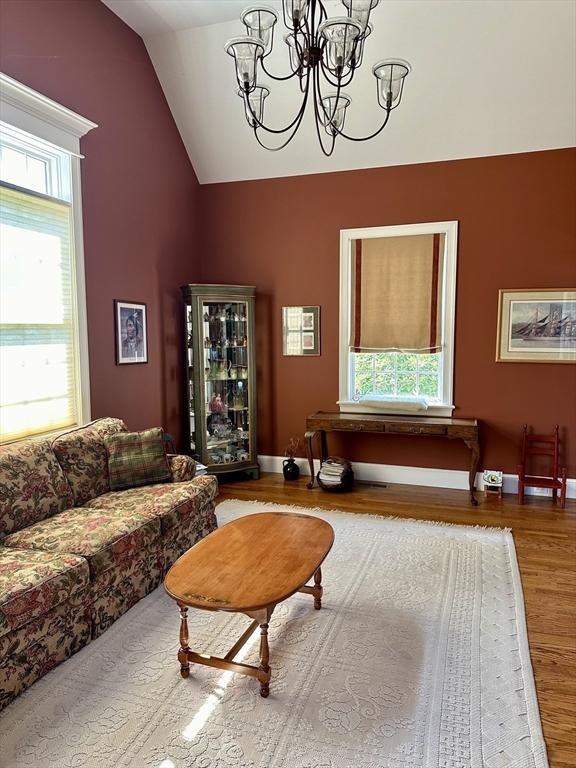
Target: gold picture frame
[(536, 325)]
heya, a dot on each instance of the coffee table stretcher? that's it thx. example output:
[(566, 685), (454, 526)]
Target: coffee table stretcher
[(260, 618)]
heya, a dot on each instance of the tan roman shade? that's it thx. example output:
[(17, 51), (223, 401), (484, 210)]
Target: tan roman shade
[(397, 294)]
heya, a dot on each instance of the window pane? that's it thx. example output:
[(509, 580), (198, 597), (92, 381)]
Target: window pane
[(363, 362), (13, 166), (385, 361), (37, 344), (37, 175), (397, 374), (407, 362), (24, 170), (31, 269), (407, 384), (364, 384), (429, 363), (428, 385), (385, 384)]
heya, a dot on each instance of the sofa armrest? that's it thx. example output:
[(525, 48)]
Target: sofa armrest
[(182, 467)]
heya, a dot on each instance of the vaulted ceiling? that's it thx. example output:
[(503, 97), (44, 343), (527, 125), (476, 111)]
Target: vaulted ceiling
[(489, 77)]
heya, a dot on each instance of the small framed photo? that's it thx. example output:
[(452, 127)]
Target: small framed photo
[(131, 332), (301, 330), (307, 321), (537, 326), (307, 340)]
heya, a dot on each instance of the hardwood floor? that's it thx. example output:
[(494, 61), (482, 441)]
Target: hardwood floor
[(545, 538)]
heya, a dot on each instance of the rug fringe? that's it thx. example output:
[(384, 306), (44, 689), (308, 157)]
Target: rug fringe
[(319, 510)]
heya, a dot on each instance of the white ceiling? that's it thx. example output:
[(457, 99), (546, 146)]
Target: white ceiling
[(489, 77), (156, 17)]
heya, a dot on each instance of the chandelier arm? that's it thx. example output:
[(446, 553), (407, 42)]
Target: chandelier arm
[(317, 98), (297, 119), (366, 138), (323, 17), (305, 27), (328, 77), (288, 140), (277, 77)]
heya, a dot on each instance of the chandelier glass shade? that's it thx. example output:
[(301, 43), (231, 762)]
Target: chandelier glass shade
[(323, 54)]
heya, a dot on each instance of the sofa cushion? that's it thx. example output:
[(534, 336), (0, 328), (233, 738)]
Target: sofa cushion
[(32, 583), (105, 538), (83, 457), (32, 485), (137, 458), (173, 503)]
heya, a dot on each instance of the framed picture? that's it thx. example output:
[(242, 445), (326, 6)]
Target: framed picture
[(537, 326), (301, 330), (131, 332)]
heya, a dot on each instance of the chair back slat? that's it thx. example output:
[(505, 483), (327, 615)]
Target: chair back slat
[(547, 446)]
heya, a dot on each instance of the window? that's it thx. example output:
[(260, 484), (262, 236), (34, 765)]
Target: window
[(392, 366), (44, 381)]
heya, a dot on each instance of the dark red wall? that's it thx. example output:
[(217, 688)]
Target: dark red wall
[(517, 217), (140, 193)]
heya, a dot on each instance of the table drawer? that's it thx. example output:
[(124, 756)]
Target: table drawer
[(360, 426), (416, 429)]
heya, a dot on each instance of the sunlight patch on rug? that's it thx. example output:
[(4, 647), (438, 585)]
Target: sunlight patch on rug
[(418, 659)]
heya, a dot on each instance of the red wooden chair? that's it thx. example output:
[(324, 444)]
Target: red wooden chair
[(541, 445)]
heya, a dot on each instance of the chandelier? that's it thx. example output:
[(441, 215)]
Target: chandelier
[(324, 53)]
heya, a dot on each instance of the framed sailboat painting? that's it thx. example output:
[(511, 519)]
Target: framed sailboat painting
[(537, 326)]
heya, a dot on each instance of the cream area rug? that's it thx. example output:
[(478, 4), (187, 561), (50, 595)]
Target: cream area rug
[(418, 659)]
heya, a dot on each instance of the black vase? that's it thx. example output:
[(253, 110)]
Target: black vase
[(290, 469)]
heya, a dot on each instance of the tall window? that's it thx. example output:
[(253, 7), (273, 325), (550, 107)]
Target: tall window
[(43, 363), (397, 301)]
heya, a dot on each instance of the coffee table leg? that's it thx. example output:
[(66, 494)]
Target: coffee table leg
[(264, 669), (318, 589), (183, 652)]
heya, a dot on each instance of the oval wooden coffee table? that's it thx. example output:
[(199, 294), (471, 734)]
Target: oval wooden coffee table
[(248, 566)]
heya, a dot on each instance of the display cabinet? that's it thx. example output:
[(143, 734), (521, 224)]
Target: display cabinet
[(221, 377)]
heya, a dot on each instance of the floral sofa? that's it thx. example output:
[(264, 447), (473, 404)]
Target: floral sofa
[(74, 555)]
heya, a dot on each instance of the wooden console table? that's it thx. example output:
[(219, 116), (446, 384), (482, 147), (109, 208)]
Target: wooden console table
[(418, 426)]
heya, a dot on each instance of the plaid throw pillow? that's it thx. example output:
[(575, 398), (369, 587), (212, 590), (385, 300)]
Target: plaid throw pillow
[(137, 458)]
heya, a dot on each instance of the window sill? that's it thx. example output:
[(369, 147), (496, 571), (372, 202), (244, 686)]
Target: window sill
[(405, 408)]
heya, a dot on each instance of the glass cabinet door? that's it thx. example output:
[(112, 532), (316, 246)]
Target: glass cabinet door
[(221, 377), (225, 382)]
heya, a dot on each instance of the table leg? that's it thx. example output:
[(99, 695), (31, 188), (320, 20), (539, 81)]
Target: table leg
[(474, 462), (323, 446), (309, 436), (318, 589), (264, 669), (184, 648)]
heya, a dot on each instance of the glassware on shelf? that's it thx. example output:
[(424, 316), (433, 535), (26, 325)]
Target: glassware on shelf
[(238, 398)]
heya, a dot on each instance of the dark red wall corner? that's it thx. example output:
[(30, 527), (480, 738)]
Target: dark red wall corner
[(140, 193)]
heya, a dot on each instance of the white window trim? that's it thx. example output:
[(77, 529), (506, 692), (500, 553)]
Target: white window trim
[(30, 111), (347, 236)]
